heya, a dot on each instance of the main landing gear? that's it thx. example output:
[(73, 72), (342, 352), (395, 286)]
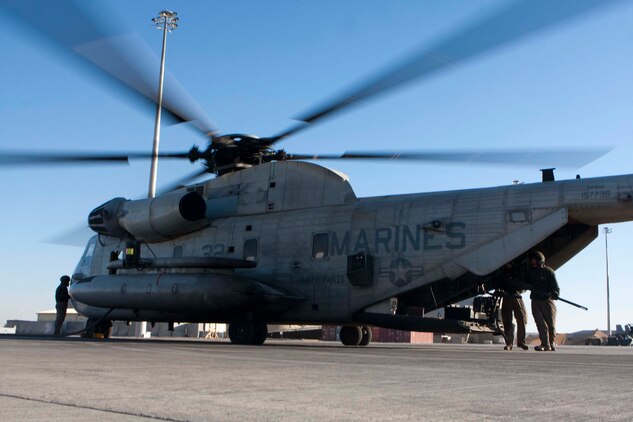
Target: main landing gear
[(355, 336), (251, 331)]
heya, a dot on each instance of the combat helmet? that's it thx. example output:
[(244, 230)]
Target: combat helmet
[(538, 255)]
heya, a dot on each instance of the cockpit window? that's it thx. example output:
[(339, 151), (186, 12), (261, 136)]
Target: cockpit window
[(86, 258)]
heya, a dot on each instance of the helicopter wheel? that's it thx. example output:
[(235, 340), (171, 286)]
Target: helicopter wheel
[(104, 328), (90, 329), (366, 335), (248, 331), (96, 329), (351, 336), (261, 332)]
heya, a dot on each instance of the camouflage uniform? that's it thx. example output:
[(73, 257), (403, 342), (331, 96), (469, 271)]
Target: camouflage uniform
[(61, 304), (545, 290)]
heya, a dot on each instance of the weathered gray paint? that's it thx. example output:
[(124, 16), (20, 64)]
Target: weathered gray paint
[(432, 235)]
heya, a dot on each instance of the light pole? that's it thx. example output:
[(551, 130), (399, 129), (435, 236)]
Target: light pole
[(606, 250), (166, 21)]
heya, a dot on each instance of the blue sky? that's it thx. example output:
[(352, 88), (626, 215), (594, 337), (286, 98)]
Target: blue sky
[(252, 66)]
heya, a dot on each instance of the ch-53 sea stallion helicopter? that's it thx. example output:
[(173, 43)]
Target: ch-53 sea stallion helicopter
[(274, 239)]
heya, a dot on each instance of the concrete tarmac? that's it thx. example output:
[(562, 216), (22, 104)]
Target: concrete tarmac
[(200, 380)]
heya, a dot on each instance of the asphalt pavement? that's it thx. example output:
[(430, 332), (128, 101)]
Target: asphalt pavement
[(201, 380)]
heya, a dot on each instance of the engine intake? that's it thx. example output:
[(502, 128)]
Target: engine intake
[(152, 219)]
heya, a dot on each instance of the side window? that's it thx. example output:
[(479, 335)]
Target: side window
[(250, 250), (320, 246), (178, 252)]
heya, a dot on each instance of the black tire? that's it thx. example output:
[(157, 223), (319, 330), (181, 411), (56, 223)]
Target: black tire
[(366, 335), (351, 336), (242, 332), (107, 329), (90, 329), (261, 332), (103, 329)]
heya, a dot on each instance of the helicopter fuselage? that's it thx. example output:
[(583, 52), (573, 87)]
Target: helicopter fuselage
[(319, 254)]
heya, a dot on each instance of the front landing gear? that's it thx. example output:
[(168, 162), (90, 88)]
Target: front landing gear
[(97, 328), (355, 336), (251, 331)]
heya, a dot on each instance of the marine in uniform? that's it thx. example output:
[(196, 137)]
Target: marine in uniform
[(544, 291), (509, 286), (61, 303)]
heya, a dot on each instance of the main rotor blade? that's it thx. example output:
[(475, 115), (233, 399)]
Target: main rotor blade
[(76, 236), (27, 158), (555, 157), (118, 57), (508, 25), (182, 182)]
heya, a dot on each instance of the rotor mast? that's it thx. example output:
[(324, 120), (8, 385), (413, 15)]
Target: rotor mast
[(167, 22)]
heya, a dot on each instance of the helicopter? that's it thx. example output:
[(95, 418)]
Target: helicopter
[(275, 239)]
